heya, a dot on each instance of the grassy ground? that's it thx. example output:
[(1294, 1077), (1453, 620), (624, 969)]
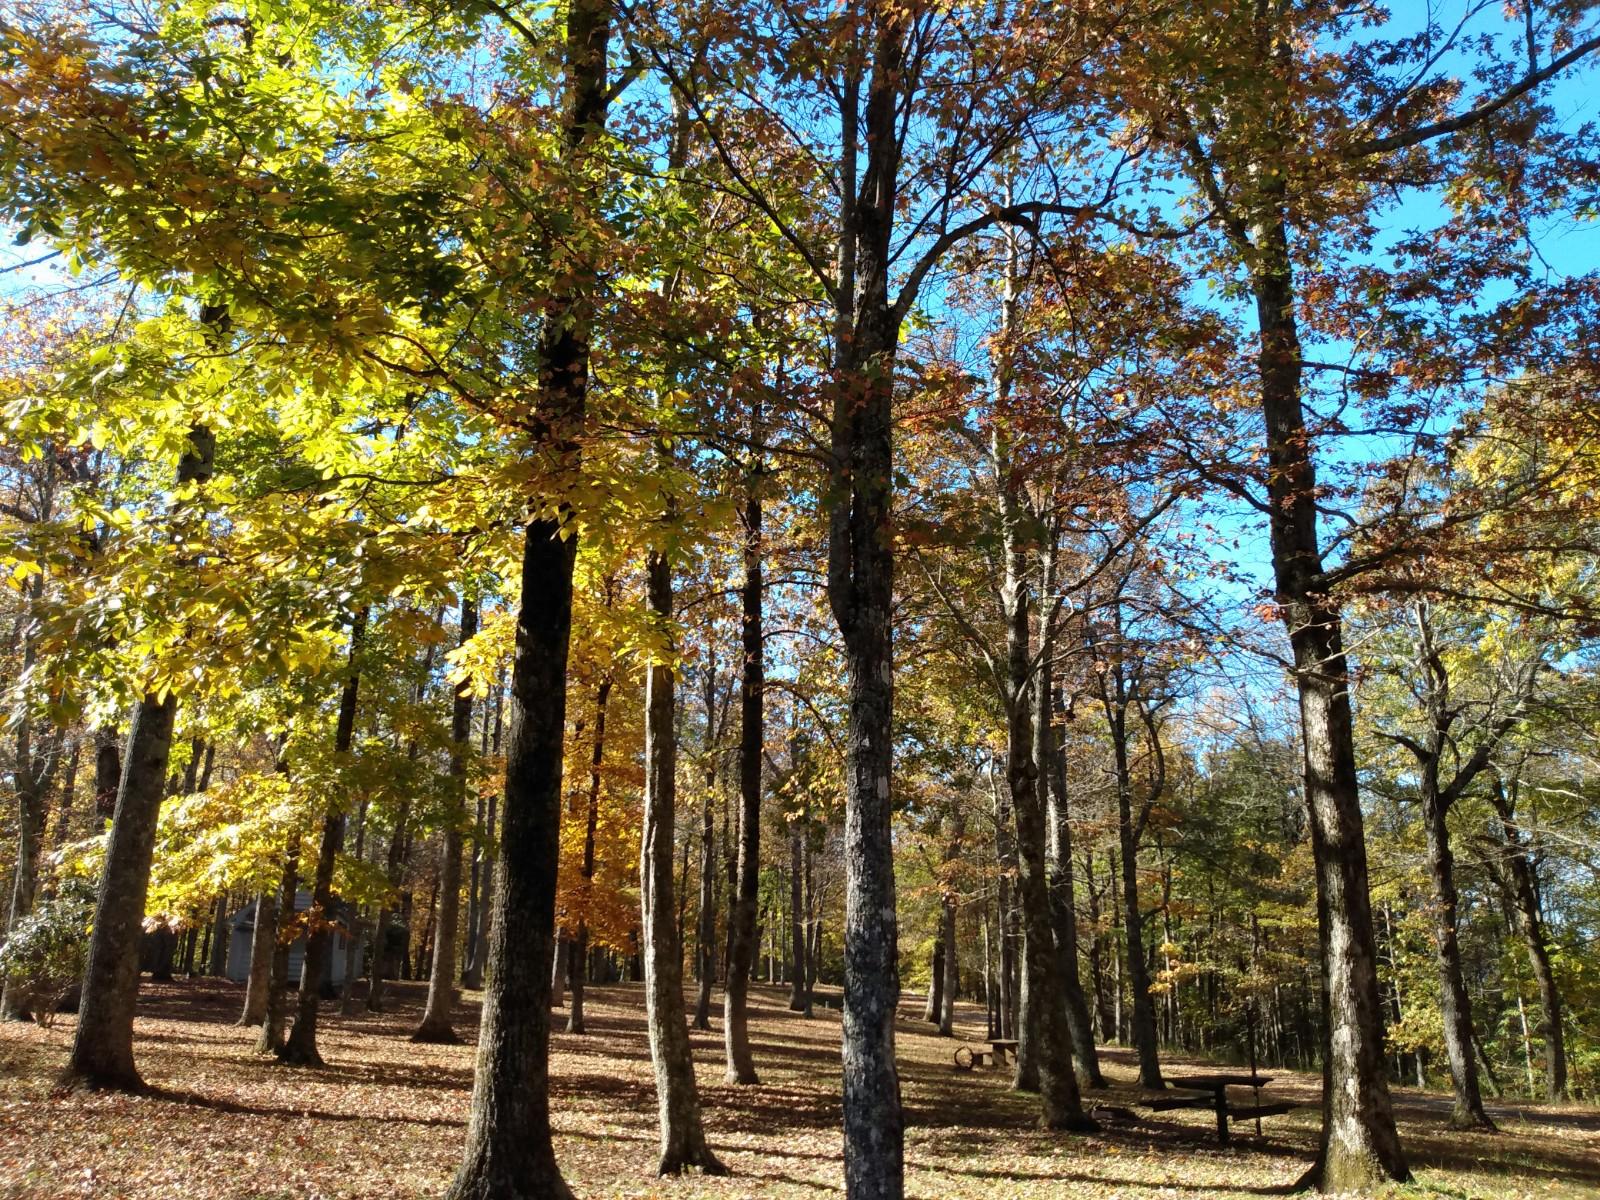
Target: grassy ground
[(386, 1118)]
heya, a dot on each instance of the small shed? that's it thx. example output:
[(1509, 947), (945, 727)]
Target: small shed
[(244, 931)]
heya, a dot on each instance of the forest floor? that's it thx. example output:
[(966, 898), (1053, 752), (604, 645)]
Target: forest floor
[(385, 1118)]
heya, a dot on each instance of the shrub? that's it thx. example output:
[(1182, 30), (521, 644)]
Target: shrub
[(46, 953)]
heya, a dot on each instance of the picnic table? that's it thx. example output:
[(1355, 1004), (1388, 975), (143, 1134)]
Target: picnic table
[(1212, 1093), (994, 1050)]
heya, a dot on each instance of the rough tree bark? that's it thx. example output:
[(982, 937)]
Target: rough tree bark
[(435, 1025), (1058, 851), (1360, 1143), (706, 925), (102, 1046), (508, 1154), (683, 1139), (741, 1066), (861, 594), (301, 1048)]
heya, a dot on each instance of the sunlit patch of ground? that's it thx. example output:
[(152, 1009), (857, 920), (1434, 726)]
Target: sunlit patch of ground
[(386, 1118)]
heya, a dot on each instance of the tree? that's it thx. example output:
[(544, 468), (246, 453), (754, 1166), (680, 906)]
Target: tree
[(508, 1149), (301, 1047), (102, 1045), (435, 1026), (683, 1139)]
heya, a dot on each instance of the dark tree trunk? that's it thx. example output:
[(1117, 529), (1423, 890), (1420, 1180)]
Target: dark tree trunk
[(399, 860), (952, 960), (706, 925), (508, 1153), (107, 770), (221, 935), (1063, 903), (1524, 896), (1005, 915), (1043, 1003), (741, 1066), (102, 1046), (1455, 1008), (578, 962), (485, 856), (1143, 1023), (358, 927), (797, 928), (861, 594), (1118, 693), (1360, 1143), (69, 793), (683, 1139), (398, 845), (301, 1048), (435, 1026)]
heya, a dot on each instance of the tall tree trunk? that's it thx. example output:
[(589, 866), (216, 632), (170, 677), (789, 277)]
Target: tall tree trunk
[(861, 594), (107, 770), (301, 1048), (578, 960), (1455, 1007), (1063, 903), (1143, 1025), (1043, 1006), (435, 1026), (399, 859), (474, 977), (263, 940), (508, 1151), (683, 1139), (102, 1046), (358, 928), (282, 934), (952, 960), (797, 929), (486, 853), (1360, 1143), (741, 1066), (1524, 896), (706, 925), (381, 926), (560, 968), (1118, 693), (930, 1010), (1005, 912)]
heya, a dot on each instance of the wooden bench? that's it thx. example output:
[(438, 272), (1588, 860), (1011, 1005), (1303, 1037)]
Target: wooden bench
[(992, 1052), (1212, 1092)]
